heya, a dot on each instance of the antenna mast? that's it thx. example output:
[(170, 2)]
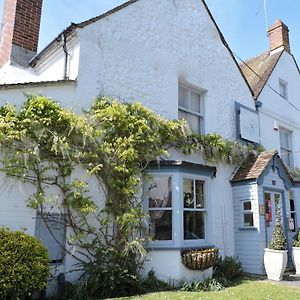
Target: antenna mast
[(266, 15)]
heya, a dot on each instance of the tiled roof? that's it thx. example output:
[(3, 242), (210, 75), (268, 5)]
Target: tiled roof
[(253, 167), (36, 84), (258, 69)]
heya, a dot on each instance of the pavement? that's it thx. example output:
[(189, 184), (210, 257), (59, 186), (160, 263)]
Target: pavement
[(288, 279)]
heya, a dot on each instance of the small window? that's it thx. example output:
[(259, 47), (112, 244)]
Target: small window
[(194, 204), (51, 230), (190, 107), (160, 208), (283, 89), (293, 210), (285, 137), (247, 214)]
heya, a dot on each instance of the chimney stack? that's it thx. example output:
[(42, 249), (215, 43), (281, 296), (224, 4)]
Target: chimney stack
[(20, 31), (279, 37)]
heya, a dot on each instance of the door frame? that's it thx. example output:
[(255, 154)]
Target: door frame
[(283, 201)]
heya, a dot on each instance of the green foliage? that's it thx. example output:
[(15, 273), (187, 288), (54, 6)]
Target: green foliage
[(24, 265), (208, 285), (278, 241), (106, 278), (296, 242), (228, 269), (152, 284), (44, 144)]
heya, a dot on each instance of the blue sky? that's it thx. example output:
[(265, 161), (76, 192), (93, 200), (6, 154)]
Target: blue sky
[(241, 21)]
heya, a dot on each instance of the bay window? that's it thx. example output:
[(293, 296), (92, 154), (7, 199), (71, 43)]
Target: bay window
[(178, 208)]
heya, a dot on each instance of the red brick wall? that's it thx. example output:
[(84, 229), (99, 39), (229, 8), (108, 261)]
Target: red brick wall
[(279, 36), (20, 26)]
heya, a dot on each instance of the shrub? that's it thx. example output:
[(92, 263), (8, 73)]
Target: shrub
[(24, 265), (278, 241), (152, 284), (208, 285), (228, 269), (105, 277), (296, 242)]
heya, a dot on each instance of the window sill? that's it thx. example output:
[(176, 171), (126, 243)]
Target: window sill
[(184, 247), (248, 228)]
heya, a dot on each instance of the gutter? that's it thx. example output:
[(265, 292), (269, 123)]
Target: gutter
[(67, 32)]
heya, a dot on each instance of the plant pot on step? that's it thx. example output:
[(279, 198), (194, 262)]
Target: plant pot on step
[(275, 257), (275, 263), (296, 252), (296, 259)]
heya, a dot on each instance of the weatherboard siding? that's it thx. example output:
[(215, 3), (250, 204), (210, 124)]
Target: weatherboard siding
[(247, 241)]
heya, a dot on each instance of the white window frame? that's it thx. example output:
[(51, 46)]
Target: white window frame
[(148, 209), (289, 150), (247, 212), (283, 88), (204, 210), (178, 241), (200, 114)]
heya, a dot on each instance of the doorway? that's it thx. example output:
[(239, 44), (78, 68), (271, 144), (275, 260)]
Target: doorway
[(270, 199)]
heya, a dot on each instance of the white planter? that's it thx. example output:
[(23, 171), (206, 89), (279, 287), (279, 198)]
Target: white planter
[(275, 263), (296, 259)]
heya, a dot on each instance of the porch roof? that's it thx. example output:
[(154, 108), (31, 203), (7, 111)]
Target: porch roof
[(254, 168)]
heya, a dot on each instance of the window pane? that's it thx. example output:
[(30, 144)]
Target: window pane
[(194, 122), (160, 192), (183, 97), (188, 193), (247, 205), (194, 227), (161, 224), (195, 102), (248, 220), (200, 197), (284, 139), (182, 115), (285, 156)]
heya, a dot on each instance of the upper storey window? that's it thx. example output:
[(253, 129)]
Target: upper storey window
[(190, 107), (286, 146), (283, 89)]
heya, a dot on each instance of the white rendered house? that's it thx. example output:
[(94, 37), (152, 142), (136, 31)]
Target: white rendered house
[(171, 56)]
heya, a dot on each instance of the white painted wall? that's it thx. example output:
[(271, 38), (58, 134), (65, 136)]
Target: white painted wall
[(140, 53), (275, 108)]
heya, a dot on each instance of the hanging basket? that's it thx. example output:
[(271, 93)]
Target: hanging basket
[(200, 259)]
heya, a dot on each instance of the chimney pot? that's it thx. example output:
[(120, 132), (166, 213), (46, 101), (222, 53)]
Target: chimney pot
[(279, 37)]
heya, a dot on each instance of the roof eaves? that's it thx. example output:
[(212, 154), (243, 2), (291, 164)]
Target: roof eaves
[(108, 13), (226, 45), (68, 31), (35, 84)]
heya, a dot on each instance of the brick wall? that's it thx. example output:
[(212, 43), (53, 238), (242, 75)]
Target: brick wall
[(279, 36)]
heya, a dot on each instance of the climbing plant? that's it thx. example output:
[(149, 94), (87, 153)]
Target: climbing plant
[(59, 152)]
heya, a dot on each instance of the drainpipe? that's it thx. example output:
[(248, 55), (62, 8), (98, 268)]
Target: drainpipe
[(66, 77)]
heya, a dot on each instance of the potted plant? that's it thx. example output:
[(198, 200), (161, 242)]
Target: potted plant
[(275, 257), (296, 252)]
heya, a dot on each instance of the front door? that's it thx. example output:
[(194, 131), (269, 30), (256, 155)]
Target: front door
[(270, 212)]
